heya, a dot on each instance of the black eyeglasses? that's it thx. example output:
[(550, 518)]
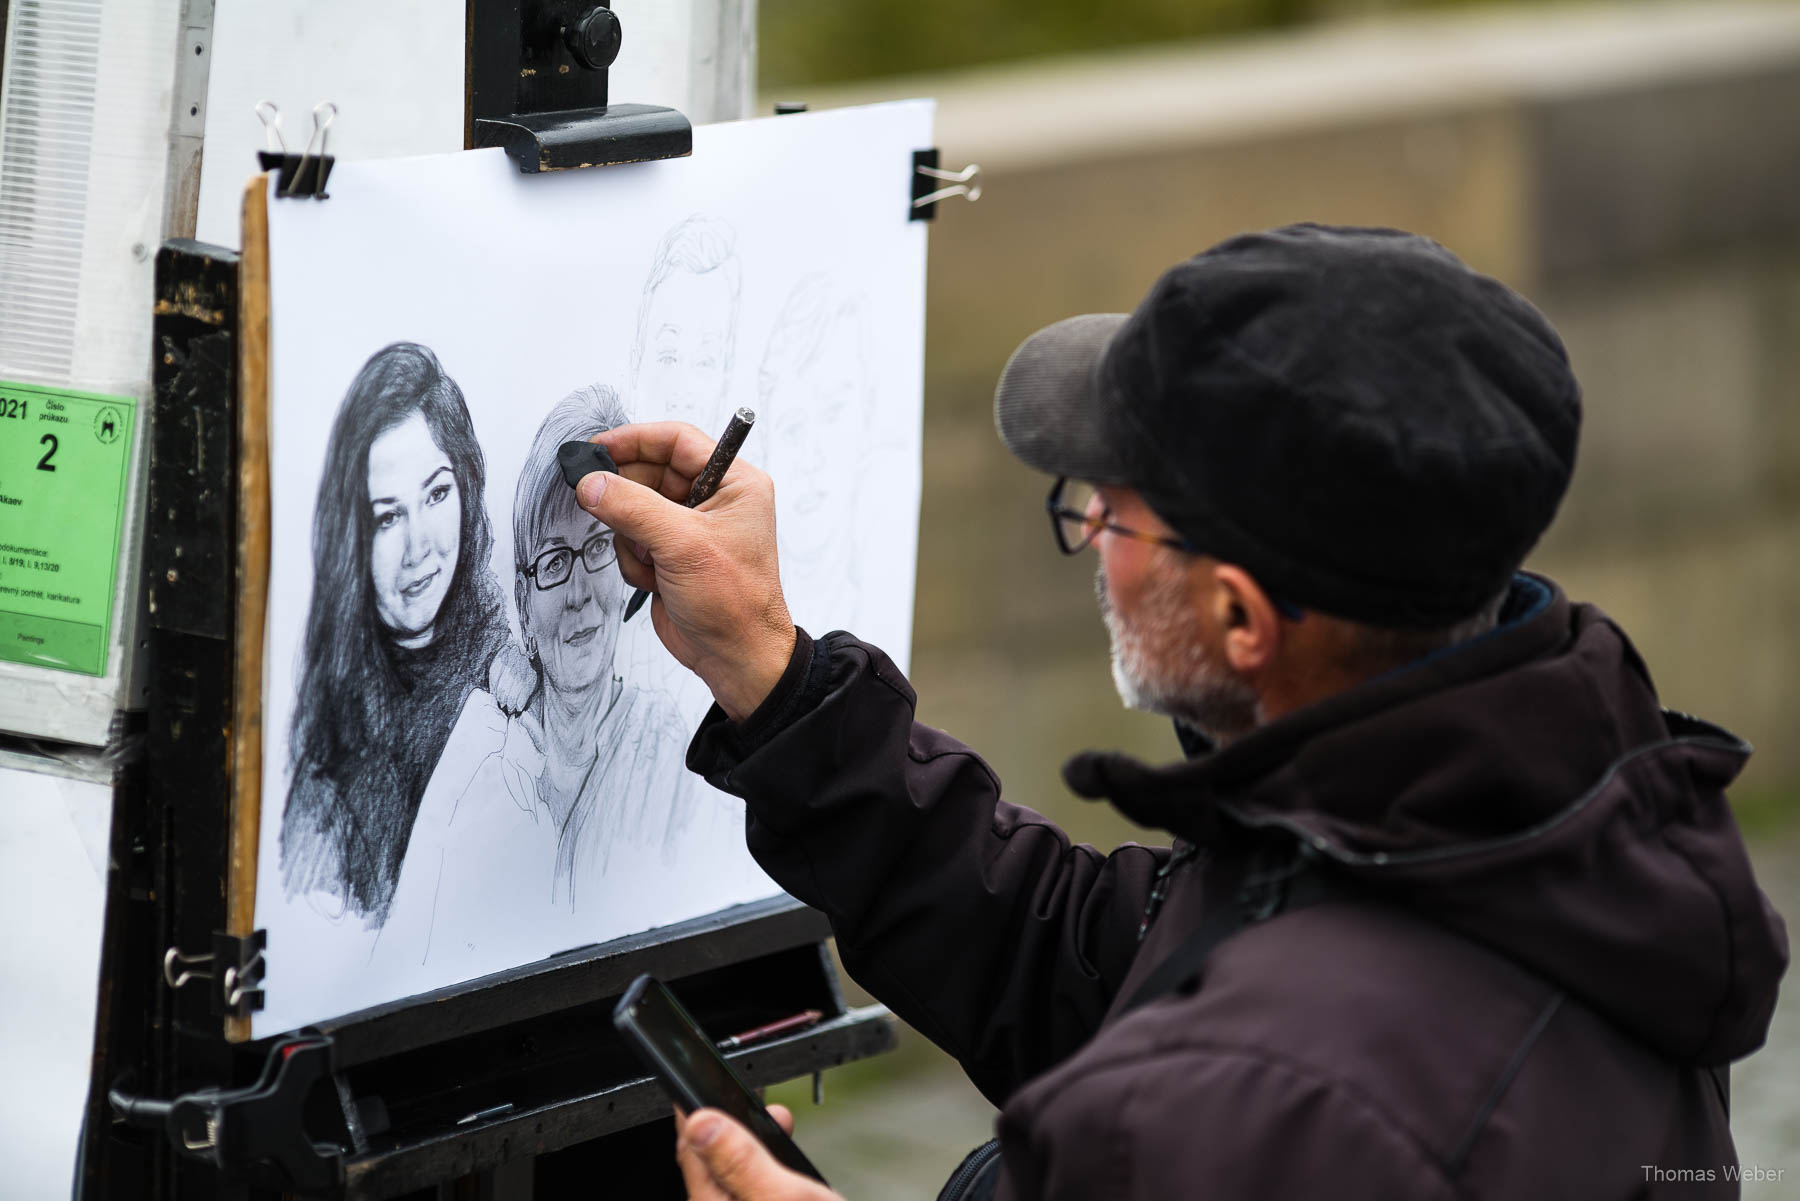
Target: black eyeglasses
[(1078, 522), (553, 568), (1072, 515)]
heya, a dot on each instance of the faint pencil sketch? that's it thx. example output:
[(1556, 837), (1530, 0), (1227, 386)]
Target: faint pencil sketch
[(687, 325), (404, 622), (681, 370), (817, 401)]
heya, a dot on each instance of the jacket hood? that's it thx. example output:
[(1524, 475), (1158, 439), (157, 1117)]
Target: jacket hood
[(1526, 790)]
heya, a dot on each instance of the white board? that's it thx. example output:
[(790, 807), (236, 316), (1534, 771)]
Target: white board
[(394, 70), (414, 839), (53, 854)]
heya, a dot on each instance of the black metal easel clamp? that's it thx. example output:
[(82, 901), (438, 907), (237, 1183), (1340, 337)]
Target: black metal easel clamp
[(254, 1133), (538, 89)]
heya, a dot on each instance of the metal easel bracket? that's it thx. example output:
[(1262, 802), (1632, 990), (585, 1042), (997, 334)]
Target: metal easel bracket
[(256, 1133), (537, 72), (589, 137)]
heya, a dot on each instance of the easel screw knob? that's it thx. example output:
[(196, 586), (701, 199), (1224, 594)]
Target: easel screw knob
[(594, 38)]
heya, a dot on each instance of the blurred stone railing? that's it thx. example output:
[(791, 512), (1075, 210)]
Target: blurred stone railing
[(1635, 170)]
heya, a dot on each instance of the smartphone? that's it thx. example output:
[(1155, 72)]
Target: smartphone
[(690, 1067)]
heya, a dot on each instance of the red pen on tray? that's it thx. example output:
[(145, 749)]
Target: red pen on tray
[(787, 1025)]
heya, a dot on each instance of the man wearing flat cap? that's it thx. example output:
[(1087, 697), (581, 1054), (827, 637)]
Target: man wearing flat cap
[(1452, 908)]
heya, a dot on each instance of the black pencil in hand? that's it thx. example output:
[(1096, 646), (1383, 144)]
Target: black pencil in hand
[(707, 482)]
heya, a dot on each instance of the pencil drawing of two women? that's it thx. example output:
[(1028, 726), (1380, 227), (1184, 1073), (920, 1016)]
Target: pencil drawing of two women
[(407, 652)]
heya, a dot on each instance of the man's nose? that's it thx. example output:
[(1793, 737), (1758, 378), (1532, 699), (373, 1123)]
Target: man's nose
[(1096, 517)]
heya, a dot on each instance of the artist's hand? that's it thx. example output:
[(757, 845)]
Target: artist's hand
[(718, 605), (722, 1161)]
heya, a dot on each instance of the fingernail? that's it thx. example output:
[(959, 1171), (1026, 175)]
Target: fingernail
[(592, 485), (643, 556), (703, 1128)]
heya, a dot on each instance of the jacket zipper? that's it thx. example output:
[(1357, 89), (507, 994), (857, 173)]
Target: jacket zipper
[(970, 1170), (1183, 853)]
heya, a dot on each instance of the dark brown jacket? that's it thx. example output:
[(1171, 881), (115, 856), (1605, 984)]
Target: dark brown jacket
[(1562, 928)]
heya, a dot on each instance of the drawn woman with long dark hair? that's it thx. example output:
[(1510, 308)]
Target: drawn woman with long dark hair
[(406, 619)]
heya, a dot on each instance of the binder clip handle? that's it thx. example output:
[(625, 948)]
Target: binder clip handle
[(311, 170), (302, 174), (926, 171), (178, 967), (271, 120), (966, 183)]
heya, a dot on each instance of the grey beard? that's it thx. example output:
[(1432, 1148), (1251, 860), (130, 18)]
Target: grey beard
[(1162, 667)]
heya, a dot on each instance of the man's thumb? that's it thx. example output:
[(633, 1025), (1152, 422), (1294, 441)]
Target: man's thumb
[(627, 507), (739, 1165)]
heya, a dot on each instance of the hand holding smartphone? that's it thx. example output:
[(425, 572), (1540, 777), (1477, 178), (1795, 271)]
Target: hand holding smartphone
[(696, 1076)]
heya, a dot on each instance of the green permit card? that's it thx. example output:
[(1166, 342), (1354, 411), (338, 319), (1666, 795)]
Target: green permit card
[(64, 456)]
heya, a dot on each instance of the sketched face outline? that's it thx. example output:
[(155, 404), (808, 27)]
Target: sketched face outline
[(815, 453), (684, 365), (415, 518), (574, 625)]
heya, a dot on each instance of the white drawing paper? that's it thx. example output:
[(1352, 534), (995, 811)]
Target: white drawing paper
[(471, 763)]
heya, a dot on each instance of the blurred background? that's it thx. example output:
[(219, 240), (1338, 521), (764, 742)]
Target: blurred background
[(1634, 169)]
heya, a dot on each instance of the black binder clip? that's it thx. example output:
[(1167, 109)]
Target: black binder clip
[(926, 173), (302, 174), (239, 965), (537, 89), (234, 966)]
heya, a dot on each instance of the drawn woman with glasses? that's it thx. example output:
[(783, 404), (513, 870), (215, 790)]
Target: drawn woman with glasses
[(612, 775)]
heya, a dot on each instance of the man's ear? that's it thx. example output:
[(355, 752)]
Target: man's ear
[(1246, 617)]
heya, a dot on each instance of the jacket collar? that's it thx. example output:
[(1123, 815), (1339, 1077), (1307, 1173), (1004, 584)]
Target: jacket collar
[(1182, 797)]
